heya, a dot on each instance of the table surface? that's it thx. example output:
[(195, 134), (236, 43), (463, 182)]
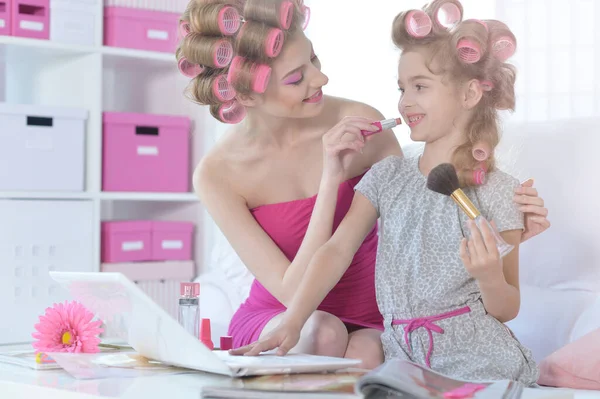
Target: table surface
[(22, 382)]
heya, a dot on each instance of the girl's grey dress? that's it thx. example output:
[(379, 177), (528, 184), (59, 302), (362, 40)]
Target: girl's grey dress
[(424, 292)]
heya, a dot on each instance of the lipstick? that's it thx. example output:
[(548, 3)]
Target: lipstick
[(382, 125)]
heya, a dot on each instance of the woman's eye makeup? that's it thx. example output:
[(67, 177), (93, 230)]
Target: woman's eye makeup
[(294, 78)]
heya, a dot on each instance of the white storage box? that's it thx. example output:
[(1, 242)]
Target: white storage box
[(41, 148), (75, 21), (37, 237)]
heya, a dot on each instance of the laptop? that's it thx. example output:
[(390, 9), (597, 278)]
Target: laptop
[(153, 333)]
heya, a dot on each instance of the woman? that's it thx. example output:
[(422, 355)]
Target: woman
[(259, 181)]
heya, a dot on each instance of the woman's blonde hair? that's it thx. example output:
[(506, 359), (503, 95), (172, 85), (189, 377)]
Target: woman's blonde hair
[(470, 49), (209, 45)]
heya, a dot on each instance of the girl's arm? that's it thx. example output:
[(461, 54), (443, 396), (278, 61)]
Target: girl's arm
[(498, 278), (324, 271)]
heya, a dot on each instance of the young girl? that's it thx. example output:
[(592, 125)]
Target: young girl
[(444, 298)]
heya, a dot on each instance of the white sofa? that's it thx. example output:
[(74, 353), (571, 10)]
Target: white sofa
[(560, 269)]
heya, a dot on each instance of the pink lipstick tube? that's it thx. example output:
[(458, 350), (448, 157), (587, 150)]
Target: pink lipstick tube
[(382, 125)]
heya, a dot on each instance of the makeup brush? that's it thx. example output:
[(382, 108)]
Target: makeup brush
[(443, 180)]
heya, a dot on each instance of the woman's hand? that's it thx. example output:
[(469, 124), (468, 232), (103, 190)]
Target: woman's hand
[(341, 144), (532, 206), (480, 254), (284, 337)]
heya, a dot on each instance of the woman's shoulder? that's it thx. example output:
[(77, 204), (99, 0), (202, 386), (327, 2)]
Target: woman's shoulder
[(216, 164), (347, 107)]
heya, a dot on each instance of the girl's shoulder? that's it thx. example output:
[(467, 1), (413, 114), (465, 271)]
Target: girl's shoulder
[(498, 181)]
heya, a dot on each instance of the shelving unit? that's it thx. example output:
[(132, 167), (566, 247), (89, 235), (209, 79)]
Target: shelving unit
[(98, 79)]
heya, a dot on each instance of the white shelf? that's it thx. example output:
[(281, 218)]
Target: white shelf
[(99, 78), (12, 44), (165, 197), (17, 46), (43, 195), (138, 54)]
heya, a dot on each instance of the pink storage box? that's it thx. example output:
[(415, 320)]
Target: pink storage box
[(126, 241), (140, 29), (143, 152), (172, 240), (30, 18), (5, 17), (153, 271)]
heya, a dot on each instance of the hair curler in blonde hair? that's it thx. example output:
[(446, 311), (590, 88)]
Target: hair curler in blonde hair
[(231, 112), (188, 69), (214, 89), (280, 16), (212, 19), (479, 175), (481, 151), (418, 24), (249, 74), (502, 41), (472, 42), (446, 14), (258, 41), (214, 52)]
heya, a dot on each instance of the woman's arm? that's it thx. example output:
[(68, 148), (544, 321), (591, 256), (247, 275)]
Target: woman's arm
[(326, 268), (254, 247), (252, 244)]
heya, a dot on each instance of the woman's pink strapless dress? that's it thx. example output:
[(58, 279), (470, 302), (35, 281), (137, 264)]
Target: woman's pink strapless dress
[(352, 299)]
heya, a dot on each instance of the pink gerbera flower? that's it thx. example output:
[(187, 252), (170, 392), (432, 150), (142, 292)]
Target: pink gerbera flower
[(67, 327)]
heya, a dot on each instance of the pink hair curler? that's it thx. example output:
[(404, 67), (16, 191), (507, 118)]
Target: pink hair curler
[(274, 43), (487, 85), (448, 15), (468, 51), (286, 14), (184, 29), (480, 22), (223, 54), (232, 112), (479, 176), (418, 24), (234, 68), (261, 74), (481, 151), (229, 20), (222, 89), (503, 48), (306, 12), (188, 69)]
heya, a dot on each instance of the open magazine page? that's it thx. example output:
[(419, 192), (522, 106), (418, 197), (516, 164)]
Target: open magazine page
[(339, 384), (402, 379), (110, 365)]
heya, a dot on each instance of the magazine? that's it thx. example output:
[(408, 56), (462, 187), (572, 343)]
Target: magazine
[(398, 378), (333, 385), (41, 361), (394, 379)]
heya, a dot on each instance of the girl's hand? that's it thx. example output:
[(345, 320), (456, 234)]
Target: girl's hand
[(536, 221), (284, 337), (480, 254), (341, 144)]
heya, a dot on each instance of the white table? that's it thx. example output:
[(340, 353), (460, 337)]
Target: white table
[(18, 382)]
